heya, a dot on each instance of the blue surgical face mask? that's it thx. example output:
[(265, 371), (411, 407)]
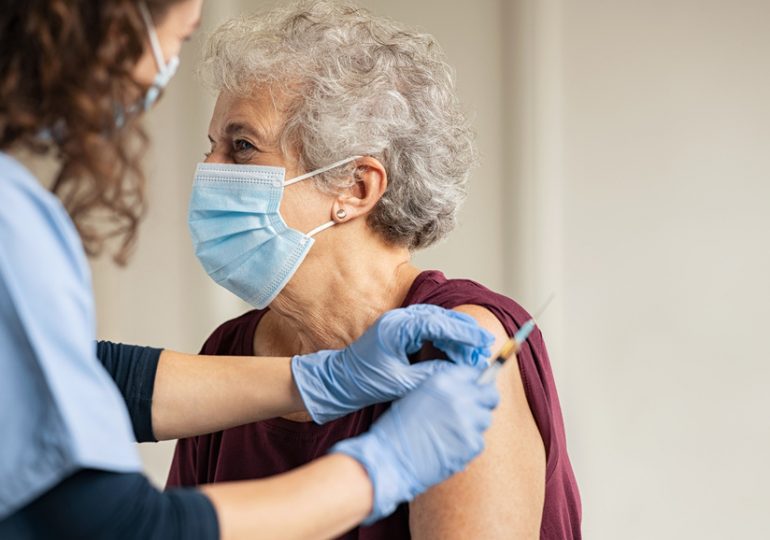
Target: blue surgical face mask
[(238, 233), (166, 70)]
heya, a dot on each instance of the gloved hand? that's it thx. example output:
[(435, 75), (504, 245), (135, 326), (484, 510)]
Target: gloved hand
[(424, 438), (375, 368)]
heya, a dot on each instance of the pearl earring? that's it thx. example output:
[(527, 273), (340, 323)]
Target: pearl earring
[(341, 213)]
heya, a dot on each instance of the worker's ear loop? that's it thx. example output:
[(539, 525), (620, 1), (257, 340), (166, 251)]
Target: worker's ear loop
[(238, 232), (166, 70)]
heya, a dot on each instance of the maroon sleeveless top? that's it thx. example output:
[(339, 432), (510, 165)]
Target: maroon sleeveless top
[(275, 446)]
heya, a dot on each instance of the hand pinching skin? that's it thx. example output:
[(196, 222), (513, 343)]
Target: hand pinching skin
[(376, 369)]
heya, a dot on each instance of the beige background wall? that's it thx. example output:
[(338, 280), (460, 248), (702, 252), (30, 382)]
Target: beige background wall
[(626, 168)]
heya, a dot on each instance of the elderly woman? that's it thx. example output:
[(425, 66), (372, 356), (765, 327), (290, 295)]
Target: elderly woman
[(338, 148)]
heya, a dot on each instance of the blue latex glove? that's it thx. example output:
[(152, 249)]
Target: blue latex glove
[(376, 369), (424, 438)]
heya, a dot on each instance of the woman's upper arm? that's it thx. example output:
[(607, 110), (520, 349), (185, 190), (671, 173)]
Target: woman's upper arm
[(500, 494)]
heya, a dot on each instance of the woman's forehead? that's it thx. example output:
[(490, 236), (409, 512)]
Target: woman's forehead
[(257, 112)]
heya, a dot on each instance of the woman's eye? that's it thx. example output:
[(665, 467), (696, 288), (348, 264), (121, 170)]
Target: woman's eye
[(241, 145)]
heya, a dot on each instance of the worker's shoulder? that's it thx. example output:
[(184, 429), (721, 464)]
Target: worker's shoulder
[(17, 181), (35, 230), (26, 205)]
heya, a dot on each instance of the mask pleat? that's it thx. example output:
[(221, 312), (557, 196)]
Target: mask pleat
[(238, 233)]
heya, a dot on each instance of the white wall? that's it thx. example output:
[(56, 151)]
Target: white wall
[(625, 167), (666, 197)]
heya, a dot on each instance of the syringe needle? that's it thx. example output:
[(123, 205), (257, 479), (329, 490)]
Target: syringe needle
[(511, 346), (545, 305)]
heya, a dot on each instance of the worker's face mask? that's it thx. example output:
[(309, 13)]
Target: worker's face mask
[(166, 70), (238, 233)]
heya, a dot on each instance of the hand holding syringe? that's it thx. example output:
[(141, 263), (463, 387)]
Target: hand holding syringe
[(512, 346)]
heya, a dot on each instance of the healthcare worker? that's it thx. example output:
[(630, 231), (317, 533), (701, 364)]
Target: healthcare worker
[(75, 75)]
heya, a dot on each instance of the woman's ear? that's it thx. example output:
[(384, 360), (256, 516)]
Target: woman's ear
[(370, 182)]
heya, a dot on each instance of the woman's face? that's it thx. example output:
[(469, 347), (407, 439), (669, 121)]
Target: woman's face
[(244, 130), (177, 26)]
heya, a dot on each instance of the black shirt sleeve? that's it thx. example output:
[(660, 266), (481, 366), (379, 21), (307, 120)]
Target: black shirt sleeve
[(133, 369), (120, 506)]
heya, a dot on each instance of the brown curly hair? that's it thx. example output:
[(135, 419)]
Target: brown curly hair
[(65, 65)]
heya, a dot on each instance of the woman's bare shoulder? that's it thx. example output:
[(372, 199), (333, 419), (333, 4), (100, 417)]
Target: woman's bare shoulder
[(501, 493)]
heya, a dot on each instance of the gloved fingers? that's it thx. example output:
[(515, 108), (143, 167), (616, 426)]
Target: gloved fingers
[(464, 354), (464, 375), (423, 309), (483, 419), (454, 385), (459, 315), (488, 395), (432, 309), (472, 442), (443, 325), (461, 382), (457, 327), (478, 448), (419, 373)]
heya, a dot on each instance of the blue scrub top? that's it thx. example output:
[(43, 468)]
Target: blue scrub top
[(59, 409)]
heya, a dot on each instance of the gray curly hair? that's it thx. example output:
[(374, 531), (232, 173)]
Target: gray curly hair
[(358, 84)]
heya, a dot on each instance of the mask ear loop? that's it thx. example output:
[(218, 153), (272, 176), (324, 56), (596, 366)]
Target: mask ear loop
[(327, 225), (320, 171), (157, 52)]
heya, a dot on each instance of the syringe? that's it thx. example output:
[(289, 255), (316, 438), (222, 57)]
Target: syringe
[(512, 346)]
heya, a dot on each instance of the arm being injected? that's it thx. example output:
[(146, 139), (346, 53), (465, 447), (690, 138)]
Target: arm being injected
[(512, 346)]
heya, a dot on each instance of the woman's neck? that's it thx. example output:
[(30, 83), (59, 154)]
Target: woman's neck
[(336, 295)]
